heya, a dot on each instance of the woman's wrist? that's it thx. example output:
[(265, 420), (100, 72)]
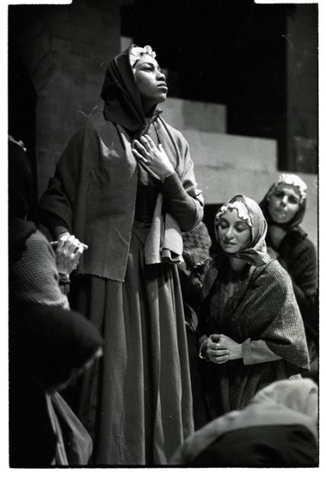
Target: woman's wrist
[(202, 350), (64, 278)]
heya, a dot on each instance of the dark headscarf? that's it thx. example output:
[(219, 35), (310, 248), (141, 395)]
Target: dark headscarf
[(51, 341), (292, 181), (20, 195), (121, 95), (249, 211)]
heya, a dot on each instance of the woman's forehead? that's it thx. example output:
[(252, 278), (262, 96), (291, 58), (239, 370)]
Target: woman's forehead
[(145, 58), (288, 189)]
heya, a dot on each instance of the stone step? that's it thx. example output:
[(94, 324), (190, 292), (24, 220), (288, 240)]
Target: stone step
[(206, 117), (220, 184), (232, 151)]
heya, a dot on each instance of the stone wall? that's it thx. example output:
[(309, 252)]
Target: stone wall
[(66, 50), (229, 164)]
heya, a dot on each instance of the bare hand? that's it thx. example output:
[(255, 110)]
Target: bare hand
[(214, 351), (153, 157), (68, 251), (234, 348)]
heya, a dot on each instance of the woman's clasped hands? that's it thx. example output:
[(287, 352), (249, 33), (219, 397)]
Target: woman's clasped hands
[(219, 348), (153, 158)]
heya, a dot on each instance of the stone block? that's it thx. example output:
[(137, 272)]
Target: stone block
[(219, 185), (232, 151), (188, 114)]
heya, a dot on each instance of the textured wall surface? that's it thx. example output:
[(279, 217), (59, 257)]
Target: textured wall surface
[(66, 50)]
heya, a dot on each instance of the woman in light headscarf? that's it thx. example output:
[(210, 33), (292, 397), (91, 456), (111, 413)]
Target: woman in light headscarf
[(125, 186), (251, 331), (284, 207), (278, 428)]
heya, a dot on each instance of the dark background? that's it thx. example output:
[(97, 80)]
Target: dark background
[(224, 51)]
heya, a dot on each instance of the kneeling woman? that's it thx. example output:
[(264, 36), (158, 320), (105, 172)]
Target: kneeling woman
[(250, 327)]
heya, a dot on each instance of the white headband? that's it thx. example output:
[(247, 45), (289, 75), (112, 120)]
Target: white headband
[(295, 181), (241, 209), (137, 52)]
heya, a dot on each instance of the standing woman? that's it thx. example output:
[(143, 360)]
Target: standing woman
[(251, 331), (125, 186), (284, 208)]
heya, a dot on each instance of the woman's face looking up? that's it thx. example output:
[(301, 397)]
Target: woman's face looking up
[(234, 234), (150, 81), (284, 202)]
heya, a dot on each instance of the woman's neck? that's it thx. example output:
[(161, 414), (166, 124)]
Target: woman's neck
[(276, 234), (148, 110), (237, 264)]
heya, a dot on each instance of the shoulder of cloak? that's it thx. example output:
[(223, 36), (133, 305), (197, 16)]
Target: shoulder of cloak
[(173, 132), (212, 273), (95, 126), (83, 147), (273, 274), (295, 242)]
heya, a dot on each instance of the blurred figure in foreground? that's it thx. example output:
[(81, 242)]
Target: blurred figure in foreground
[(48, 348), (278, 428)]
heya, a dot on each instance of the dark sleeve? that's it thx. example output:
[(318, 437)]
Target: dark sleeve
[(208, 287), (299, 259), (191, 285), (55, 224), (57, 203), (187, 209)]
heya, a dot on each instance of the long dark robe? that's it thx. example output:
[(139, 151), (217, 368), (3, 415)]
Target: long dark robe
[(138, 404)]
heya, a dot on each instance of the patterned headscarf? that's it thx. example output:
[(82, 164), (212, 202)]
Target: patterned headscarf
[(249, 211), (291, 180)]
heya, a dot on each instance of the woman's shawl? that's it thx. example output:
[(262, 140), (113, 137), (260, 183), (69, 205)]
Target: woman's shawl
[(93, 193), (121, 95), (263, 307), (285, 402)]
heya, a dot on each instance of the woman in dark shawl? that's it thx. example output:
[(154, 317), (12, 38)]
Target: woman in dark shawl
[(125, 186), (37, 274), (284, 207), (251, 331), (48, 344)]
